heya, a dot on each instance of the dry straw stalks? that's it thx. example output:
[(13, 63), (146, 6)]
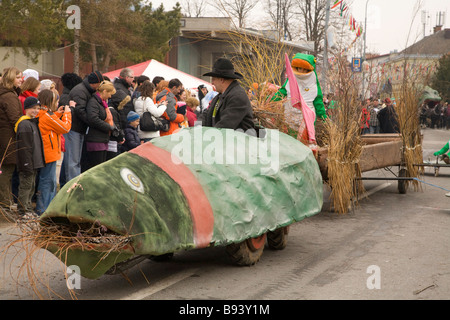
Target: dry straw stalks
[(35, 265), (261, 62), (343, 139), (408, 111)]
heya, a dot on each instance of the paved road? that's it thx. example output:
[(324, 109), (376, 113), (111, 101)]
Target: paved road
[(393, 246)]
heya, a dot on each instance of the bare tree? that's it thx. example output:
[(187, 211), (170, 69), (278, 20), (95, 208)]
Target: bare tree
[(281, 13), (312, 14), (194, 8), (237, 9)]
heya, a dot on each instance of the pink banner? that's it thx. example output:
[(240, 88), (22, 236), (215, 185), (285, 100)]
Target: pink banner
[(298, 102)]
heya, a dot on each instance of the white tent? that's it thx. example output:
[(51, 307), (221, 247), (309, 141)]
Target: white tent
[(153, 68)]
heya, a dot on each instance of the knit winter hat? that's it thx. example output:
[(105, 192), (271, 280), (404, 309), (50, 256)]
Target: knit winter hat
[(30, 102), (95, 77), (132, 116), (30, 73), (47, 84)]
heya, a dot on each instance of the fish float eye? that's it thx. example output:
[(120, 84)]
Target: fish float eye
[(132, 180)]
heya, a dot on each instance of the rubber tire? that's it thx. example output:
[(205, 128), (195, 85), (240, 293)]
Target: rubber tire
[(402, 184), (244, 253), (162, 258), (277, 239)]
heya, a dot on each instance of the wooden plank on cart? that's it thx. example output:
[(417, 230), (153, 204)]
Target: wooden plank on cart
[(380, 137), (381, 155)]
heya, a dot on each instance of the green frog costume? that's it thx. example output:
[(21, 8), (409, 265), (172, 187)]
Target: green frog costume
[(308, 83), (443, 150)]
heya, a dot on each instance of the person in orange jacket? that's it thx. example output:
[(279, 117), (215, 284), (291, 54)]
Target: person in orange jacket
[(53, 122), (171, 114)]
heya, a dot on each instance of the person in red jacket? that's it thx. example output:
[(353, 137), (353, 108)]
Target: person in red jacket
[(365, 117), (29, 88), (192, 104), (53, 122)]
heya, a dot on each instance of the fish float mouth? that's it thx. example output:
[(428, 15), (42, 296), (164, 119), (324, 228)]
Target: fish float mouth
[(91, 246), (82, 233)]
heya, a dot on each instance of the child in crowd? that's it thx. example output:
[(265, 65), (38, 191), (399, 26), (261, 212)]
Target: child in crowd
[(132, 139), (30, 154), (30, 88), (53, 122), (182, 109), (192, 103)]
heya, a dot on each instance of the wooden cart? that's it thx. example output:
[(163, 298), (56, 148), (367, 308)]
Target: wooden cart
[(379, 151)]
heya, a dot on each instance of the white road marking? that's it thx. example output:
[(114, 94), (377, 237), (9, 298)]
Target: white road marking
[(373, 190), (161, 285)]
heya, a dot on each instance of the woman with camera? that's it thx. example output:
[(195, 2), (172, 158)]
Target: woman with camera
[(101, 124)]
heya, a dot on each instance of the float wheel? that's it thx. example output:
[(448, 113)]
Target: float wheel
[(248, 252), (277, 239)]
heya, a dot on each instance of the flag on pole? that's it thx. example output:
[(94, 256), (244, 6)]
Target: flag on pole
[(336, 3), (298, 102)]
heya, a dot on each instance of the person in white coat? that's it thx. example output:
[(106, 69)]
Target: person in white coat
[(145, 103)]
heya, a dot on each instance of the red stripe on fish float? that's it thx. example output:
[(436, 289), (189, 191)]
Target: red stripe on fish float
[(200, 208)]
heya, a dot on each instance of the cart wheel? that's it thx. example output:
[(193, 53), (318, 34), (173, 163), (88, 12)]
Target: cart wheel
[(248, 252), (402, 184), (277, 239)]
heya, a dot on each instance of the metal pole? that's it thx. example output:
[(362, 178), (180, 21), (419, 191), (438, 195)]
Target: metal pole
[(76, 52), (364, 53), (74, 22), (325, 50)]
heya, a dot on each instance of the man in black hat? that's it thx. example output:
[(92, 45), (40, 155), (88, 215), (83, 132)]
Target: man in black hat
[(231, 108)]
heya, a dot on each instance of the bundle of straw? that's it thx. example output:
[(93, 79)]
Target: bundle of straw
[(408, 112), (261, 62), (343, 140)]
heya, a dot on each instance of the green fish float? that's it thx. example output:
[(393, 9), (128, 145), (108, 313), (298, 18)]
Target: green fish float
[(197, 188)]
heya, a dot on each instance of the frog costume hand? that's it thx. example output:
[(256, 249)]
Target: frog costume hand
[(304, 67), (443, 150)]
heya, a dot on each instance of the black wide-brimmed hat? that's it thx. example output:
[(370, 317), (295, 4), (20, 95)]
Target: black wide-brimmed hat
[(223, 68)]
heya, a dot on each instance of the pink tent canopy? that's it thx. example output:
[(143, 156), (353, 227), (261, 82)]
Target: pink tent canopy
[(153, 68)]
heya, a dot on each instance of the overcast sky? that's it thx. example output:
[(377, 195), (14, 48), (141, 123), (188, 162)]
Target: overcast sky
[(388, 21)]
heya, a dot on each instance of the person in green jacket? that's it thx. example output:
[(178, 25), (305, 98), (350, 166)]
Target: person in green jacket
[(443, 152), (304, 67), (444, 157)]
